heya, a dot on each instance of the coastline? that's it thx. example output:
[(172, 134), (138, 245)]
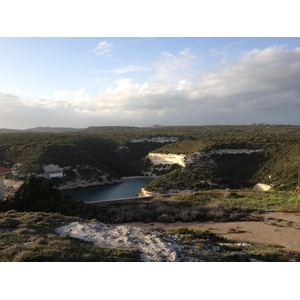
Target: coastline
[(85, 184), (141, 176), (128, 187), (82, 184)]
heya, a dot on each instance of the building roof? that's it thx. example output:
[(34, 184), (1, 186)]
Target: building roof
[(4, 171), (56, 171), (52, 169)]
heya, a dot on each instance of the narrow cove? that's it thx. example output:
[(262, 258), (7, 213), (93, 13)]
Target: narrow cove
[(129, 188)]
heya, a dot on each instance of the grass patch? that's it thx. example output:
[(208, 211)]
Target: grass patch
[(209, 247), (272, 253), (245, 199), (30, 237), (234, 230), (205, 235), (184, 230)]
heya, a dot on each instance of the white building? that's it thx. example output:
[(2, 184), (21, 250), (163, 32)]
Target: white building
[(53, 171)]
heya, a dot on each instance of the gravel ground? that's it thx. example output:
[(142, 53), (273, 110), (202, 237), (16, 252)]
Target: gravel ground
[(277, 228)]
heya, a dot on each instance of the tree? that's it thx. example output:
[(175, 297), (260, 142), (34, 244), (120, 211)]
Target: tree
[(34, 192)]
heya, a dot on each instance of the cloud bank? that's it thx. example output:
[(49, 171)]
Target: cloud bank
[(261, 86)]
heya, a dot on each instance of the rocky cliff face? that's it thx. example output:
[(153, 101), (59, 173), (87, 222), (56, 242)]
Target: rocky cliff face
[(156, 164), (11, 186), (213, 168)]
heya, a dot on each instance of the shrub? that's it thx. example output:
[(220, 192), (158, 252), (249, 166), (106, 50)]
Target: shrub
[(184, 230)]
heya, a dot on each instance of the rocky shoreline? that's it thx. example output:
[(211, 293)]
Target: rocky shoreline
[(86, 183)]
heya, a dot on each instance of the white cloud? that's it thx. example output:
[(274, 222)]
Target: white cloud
[(259, 74), (124, 70), (172, 68), (261, 86), (181, 85), (102, 48)]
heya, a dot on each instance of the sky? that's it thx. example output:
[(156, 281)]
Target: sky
[(141, 80)]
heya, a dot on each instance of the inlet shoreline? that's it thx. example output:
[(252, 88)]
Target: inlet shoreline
[(127, 187)]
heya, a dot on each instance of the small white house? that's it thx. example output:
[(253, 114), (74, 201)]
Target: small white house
[(53, 171)]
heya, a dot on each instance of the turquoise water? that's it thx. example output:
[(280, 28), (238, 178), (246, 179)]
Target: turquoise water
[(129, 188)]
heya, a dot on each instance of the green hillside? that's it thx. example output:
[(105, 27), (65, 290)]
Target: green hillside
[(110, 150)]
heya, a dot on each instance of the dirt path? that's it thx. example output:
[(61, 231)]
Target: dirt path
[(277, 228)]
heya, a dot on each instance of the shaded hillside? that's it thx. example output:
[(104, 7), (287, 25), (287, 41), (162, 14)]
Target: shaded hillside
[(120, 151), (33, 150), (281, 165), (106, 151), (276, 164)]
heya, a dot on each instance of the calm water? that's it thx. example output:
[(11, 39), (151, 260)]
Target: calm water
[(129, 188)]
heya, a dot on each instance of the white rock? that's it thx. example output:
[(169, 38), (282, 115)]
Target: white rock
[(152, 247), (158, 158), (260, 187)]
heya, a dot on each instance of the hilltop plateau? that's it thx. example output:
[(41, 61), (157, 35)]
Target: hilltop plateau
[(203, 157)]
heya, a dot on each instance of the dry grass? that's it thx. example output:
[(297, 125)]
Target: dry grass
[(31, 237)]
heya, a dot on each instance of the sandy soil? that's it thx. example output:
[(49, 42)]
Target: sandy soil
[(277, 228)]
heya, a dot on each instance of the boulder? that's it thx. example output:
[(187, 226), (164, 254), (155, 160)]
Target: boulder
[(261, 187)]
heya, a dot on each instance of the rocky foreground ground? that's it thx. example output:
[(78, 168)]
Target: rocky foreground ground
[(148, 242), (38, 236), (199, 241)]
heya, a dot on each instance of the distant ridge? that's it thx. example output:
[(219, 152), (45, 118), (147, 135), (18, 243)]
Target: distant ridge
[(69, 129), (39, 129), (97, 129), (6, 130), (156, 126), (51, 129)]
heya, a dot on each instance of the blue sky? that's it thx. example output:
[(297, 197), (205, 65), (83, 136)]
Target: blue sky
[(130, 78), (81, 82)]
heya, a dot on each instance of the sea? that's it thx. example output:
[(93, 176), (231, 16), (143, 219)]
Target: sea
[(130, 187)]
